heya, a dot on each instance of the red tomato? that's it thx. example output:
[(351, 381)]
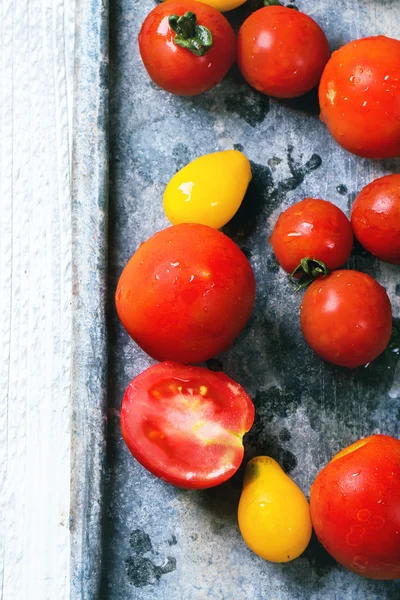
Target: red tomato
[(355, 507), (186, 293), (312, 228), (346, 318), (186, 424), (175, 68), (359, 96), (375, 217), (282, 52)]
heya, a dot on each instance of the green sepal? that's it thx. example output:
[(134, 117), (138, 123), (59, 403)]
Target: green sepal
[(309, 269), (195, 38)]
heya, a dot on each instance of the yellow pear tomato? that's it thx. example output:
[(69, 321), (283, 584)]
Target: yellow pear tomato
[(274, 515), (224, 5), (209, 190)]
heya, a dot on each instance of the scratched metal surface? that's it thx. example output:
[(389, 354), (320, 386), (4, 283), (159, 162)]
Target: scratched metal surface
[(162, 543)]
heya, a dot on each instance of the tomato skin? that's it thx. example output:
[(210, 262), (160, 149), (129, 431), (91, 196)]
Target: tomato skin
[(375, 218), (185, 424), (312, 228), (195, 295), (278, 529), (355, 502), (176, 69), (359, 97), (346, 318), (208, 190), (282, 52)]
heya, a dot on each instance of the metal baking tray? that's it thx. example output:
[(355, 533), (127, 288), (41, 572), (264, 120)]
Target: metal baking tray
[(163, 543)]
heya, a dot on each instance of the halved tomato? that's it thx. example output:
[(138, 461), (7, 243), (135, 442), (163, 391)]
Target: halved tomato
[(186, 424)]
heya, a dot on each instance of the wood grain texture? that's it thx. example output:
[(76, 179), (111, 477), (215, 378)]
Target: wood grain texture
[(36, 74)]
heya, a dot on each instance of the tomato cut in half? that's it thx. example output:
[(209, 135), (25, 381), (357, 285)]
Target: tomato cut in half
[(185, 424)]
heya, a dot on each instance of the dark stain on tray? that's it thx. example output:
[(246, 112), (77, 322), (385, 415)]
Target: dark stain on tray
[(181, 155), (341, 189), (263, 195), (172, 541), (141, 570), (248, 105)]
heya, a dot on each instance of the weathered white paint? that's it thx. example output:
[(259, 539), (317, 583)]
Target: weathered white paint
[(36, 73)]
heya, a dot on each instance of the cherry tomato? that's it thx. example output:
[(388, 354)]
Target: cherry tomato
[(186, 424), (375, 217), (282, 52), (186, 293), (189, 54), (346, 318), (355, 504), (312, 228), (359, 97)]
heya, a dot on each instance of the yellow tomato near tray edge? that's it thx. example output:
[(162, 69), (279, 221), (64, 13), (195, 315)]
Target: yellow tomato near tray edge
[(274, 515), (223, 5), (209, 190)]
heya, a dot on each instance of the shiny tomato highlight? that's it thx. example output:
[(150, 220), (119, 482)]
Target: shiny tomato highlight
[(185, 424), (375, 218)]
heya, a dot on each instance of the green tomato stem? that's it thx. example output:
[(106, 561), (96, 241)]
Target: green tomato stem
[(195, 38), (309, 269)]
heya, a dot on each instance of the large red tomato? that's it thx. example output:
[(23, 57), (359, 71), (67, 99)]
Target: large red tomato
[(375, 218), (346, 318), (187, 47), (186, 424), (355, 507), (359, 96), (186, 293), (282, 52), (312, 228)]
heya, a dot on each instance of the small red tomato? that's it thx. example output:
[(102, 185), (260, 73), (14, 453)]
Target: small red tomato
[(186, 424), (186, 293), (355, 507), (346, 318), (187, 47), (281, 52), (359, 97), (315, 229), (375, 218)]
